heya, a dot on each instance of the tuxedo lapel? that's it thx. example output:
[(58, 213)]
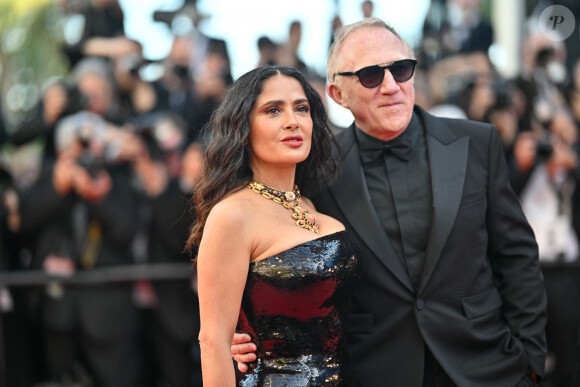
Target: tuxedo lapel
[(351, 194), (448, 163)]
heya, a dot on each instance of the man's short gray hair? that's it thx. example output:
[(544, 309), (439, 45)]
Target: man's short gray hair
[(343, 32)]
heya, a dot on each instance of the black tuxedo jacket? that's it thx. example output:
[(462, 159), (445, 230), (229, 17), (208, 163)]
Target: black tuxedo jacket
[(480, 305)]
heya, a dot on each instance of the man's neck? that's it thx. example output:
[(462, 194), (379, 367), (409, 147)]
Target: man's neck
[(385, 136)]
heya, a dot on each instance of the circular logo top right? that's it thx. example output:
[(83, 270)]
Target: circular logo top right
[(557, 22)]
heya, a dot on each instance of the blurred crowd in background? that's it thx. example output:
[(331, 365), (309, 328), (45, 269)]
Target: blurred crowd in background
[(119, 153)]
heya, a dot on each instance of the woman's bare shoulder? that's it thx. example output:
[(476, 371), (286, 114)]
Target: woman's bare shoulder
[(232, 211)]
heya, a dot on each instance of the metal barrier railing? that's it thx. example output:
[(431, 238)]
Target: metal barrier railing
[(102, 275)]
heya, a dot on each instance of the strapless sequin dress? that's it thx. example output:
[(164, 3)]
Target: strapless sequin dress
[(294, 307)]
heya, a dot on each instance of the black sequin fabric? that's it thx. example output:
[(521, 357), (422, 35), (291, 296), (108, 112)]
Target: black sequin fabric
[(294, 306)]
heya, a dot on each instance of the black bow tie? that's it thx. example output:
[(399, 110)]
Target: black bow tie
[(399, 147)]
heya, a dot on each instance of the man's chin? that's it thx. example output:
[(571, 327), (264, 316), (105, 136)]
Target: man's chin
[(393, 123)]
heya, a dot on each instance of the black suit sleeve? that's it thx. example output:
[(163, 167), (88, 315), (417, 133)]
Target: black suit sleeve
[(514, 259)]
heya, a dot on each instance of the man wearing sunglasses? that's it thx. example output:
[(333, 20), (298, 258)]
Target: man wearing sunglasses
[(452, 293)]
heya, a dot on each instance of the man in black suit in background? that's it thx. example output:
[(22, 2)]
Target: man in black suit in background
[(452, 293)]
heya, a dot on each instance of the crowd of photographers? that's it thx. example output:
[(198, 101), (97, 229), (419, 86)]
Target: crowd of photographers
[(121, 156), (119, 162)]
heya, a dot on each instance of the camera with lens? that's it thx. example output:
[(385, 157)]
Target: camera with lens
[(92, 134), (544, 147), (92, 161), (543, 115), (503, 96), (544, 56)]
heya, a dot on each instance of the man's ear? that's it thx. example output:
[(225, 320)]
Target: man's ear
[(335, 92)]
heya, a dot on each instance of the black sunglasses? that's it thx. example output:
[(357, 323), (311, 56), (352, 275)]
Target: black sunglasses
[(372, 76)]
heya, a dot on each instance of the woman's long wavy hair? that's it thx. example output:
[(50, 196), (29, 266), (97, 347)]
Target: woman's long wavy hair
[(227, 158)]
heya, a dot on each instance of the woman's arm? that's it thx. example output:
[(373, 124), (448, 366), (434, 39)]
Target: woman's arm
[(222, 266)]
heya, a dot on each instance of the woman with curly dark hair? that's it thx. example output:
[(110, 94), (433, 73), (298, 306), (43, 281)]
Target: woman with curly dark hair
[(269, 264)]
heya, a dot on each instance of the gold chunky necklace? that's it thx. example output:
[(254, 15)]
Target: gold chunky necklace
[(304, 219)]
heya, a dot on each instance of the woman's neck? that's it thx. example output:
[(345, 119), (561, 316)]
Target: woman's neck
[(282, 180)]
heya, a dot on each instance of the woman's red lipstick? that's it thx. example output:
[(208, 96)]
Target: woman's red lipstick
[(293, 141)]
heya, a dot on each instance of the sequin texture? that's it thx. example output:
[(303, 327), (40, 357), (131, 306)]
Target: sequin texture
[(293, 305)]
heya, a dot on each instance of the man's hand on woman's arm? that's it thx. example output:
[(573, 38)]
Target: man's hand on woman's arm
[(243, 350)]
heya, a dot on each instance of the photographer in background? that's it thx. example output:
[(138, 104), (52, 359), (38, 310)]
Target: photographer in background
[(91, 87), (543, 74), (58, 100), (95, 80), (83, 214), (504, 115)]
